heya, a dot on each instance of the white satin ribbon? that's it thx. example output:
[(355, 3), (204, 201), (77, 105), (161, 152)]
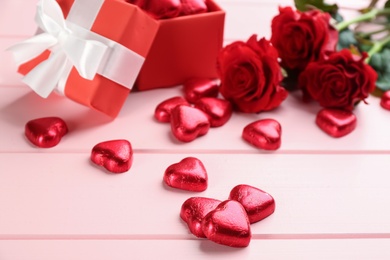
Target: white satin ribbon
[(72, 45)]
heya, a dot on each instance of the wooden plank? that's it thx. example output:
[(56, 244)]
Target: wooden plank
[(8, 68), (60, 195), (194, 249), (17, 18), (136, 123)]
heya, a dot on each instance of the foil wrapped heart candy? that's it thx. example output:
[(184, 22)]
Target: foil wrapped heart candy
[(188, 123), (45, 132), (257, 203), (195, 89), (189, 7), (264, 134), (115, 155), (163, 110), (228, 224), (159, 9), (188, 174), (164, 9), (218, 110), (385, 100), (194, 210), (336, 122)]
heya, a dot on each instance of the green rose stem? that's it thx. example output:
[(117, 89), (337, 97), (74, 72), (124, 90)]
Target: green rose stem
[(364, 17), (377, 47)]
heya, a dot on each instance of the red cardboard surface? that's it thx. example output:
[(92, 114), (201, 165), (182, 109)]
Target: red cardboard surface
[(185, 47)]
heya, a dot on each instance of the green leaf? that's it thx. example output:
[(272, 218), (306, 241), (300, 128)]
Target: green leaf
[(305, 5), (337, 17), (387, 4), (365, 47), (381, 64), (346, 39)]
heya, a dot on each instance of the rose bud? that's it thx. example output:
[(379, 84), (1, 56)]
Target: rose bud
[(250, 75), (339, 81)]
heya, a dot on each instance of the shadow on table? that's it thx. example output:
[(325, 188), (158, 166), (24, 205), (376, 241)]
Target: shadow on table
[(30, 106)]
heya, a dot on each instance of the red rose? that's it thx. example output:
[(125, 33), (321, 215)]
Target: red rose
[(250, 75), (302, 37), (338, 81)]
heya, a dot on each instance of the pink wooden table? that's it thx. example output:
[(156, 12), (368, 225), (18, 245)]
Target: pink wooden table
[(332, 195)]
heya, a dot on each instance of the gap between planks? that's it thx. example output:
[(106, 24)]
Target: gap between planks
[(223, 152), (189, 237)]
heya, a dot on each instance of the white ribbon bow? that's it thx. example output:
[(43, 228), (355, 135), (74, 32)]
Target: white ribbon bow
[(67, 50)]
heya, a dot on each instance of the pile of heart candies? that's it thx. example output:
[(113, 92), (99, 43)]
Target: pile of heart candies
[(224, 222)]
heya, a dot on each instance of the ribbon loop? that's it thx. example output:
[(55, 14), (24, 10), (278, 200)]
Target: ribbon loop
[(67, 50), (50, 18)]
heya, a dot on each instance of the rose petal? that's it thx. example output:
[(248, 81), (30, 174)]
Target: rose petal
[(250, 75)]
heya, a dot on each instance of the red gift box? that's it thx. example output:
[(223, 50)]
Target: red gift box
[(116, 20), (185, 47), (176, 49)]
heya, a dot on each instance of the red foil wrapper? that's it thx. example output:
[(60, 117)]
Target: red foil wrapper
[(116, 155), (45, 132), (188, 123), (189, 7), (188, 174), (196, 89), (336, 122), (163, 110), (228, 224), (219, 111), (264, 134), (164, 9), (257, 203), (385, 100), (194, 210)]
